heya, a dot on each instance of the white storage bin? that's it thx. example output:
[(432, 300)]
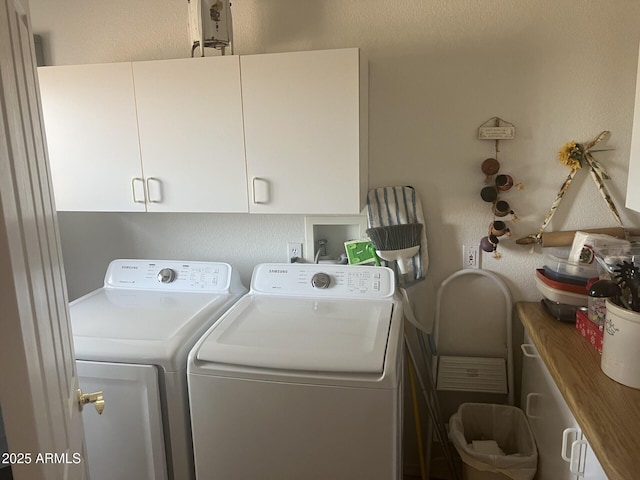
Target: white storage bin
[(564, 267)]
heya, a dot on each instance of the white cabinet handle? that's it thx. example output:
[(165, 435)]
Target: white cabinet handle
[(158, 199), (527, 407), (574, 463), (525, 347), (565, 442), (133, 189), (260, 190)]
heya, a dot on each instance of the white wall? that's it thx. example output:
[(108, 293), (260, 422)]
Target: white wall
[(559, 70)]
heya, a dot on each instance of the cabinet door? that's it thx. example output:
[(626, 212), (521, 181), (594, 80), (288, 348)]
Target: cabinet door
[(548, 416), (633, 181), (92, 137), (592, 468), (305, 119), (191, 135)]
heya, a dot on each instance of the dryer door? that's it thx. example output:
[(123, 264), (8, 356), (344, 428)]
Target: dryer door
[(127, 440)]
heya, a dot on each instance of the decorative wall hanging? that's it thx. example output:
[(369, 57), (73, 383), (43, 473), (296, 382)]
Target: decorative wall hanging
[(576, 155), (497, 184)]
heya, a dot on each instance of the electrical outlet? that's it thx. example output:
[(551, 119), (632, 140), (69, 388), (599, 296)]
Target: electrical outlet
[(470, 256), (294, 250)]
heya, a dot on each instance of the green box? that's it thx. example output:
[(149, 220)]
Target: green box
[(361, 251)]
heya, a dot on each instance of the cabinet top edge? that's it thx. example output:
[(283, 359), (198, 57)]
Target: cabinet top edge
[(356, 50)]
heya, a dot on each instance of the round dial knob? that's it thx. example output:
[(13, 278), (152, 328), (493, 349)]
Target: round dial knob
[(321, 280), (166, 275)]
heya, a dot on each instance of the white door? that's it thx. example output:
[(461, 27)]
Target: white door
[(555, 428), (37, 372), (191, 134), (548, 415)]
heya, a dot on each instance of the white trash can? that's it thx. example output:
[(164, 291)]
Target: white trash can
[(495, 442)]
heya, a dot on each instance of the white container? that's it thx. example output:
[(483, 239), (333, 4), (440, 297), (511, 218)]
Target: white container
[(621, 345), (561, 296)]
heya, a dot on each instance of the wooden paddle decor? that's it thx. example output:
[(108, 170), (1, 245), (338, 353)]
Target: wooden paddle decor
[(565, 237)]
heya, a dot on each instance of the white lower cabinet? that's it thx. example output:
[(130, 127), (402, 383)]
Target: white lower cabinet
[(563, 450)]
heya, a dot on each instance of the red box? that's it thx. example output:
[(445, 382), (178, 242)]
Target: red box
[(589, 330)]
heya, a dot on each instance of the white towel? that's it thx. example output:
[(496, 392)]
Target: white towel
[(396, 206)]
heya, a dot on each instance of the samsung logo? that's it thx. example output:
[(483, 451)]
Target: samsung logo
[(129, 267), (275, 270)]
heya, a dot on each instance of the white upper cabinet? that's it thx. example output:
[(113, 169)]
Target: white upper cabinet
[(191, 137), (274, 133), (91, 129), (305, 122), (633, 181), (157, 136)]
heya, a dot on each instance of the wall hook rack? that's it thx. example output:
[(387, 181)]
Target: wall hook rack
[(496, 129)]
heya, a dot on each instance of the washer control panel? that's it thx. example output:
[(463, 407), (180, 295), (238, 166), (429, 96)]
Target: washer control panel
[(168, 275), (352, 281)]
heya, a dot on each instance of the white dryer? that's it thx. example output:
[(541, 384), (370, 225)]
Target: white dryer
[(301, 379), (131, 341)]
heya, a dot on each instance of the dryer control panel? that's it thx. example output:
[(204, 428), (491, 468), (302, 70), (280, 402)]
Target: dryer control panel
[(323, 280), (168, 275)]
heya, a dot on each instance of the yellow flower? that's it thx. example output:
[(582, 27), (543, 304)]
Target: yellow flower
[(571, 155)]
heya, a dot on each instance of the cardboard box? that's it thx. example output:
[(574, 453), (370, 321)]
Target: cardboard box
[(361, 252), (589, 330)]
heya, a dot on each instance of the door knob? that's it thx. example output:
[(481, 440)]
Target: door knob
[(95, 397)]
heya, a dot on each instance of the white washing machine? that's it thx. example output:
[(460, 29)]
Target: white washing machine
[(301, 379), (131, 340)]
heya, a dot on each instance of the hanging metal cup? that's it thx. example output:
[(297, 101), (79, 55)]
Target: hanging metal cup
[(504, 182), (490, 166), (489, 243), (489, 194), (498, 228), (501, 209)]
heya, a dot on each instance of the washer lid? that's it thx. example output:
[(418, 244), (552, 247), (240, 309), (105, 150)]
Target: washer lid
[(292, 333), (137, 315)]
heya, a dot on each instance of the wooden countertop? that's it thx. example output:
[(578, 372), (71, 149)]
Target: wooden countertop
[(607, 412)]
